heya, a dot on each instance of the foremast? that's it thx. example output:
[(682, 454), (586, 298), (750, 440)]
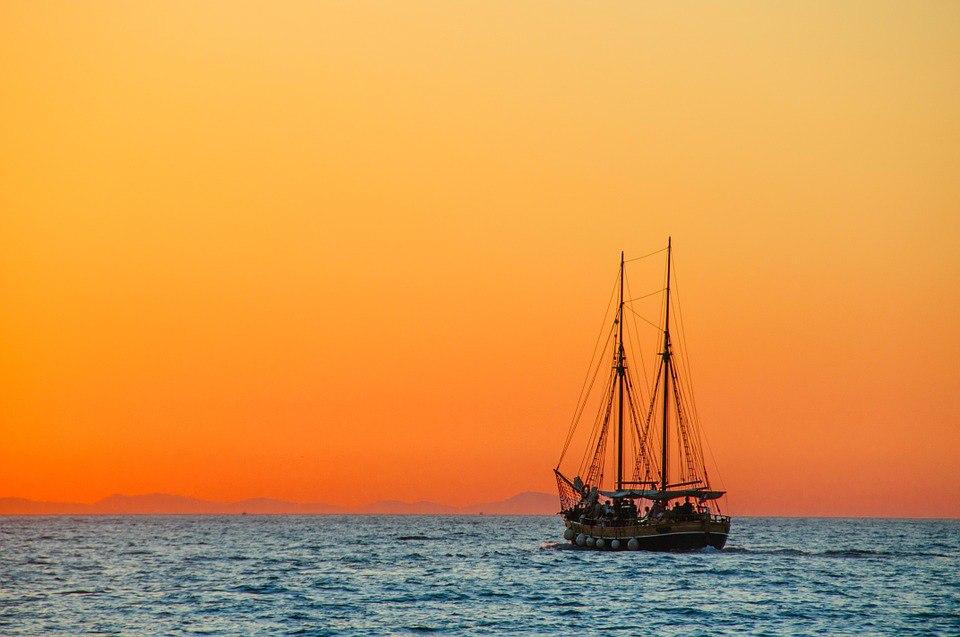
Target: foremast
[(621, 372), (666, 379)]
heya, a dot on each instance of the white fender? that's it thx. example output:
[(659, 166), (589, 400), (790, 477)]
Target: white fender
[(633, 544)]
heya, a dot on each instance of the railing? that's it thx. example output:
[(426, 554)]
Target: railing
[(669, 517)]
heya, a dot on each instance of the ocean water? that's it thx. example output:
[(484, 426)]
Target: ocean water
[(376, 575)]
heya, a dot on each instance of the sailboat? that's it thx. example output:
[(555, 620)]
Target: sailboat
[(667, 502)]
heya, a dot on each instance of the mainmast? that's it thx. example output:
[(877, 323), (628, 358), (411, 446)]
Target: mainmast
[(620, 374), (666, 378)]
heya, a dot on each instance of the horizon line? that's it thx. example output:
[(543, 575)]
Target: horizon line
[(537, 510)]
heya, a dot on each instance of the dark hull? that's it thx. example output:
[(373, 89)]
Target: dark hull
[(688, 534), (689, 541)]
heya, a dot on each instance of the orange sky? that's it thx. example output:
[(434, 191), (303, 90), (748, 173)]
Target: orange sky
[(352, 251)]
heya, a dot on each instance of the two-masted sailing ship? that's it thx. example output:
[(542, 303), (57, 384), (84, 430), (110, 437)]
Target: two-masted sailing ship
[(665, 502)]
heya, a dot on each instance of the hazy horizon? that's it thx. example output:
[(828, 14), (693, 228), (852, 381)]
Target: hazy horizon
[(375, 508)]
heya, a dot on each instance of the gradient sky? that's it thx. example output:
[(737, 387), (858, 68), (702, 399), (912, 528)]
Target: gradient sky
[(353, 251)]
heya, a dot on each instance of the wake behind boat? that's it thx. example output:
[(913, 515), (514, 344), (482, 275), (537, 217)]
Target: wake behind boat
[(646, 511)]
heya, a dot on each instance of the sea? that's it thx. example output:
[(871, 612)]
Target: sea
[(377, 575)]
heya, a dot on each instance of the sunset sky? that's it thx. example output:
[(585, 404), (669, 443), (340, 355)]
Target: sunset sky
[(351, 251)]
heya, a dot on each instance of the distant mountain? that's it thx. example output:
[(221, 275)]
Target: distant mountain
[(270, 506), (162, 503), (151, 503), (527, 503), (22, 506)]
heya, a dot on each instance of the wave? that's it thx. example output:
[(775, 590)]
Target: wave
[(841, 553), (259, 589), (781, 552)]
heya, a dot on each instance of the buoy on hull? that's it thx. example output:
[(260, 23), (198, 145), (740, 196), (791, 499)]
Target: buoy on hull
[(615, 545), (569, 534), (633, 544)]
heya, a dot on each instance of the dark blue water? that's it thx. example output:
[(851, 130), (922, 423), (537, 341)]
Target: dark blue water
[(375, 575)]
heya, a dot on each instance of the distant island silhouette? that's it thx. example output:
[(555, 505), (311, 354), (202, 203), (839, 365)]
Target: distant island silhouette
[(526, 503)]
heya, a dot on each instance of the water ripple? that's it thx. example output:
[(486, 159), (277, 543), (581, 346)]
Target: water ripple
[(373, 575)]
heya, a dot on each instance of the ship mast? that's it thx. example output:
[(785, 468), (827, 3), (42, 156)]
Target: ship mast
[(620, 374), (666, 378)]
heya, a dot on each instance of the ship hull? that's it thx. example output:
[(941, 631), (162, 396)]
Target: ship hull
[(688, 535)]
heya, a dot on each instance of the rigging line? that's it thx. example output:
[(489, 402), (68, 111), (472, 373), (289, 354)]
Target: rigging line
[(584, 398), (595, 430), (706, 441), (692, 423), (608, 425), (638, 444), (637, 391), (647, 464), (642, 318), (593, 355), (683, 333), (648, 461), (645, 256), (643, 462), (645, 295), (653, 467), (599, 426), (643, 366), (689, 458), (637, 449), (597, 466), (634, 335), (582, 403), (686, 390), (643, 455), (577, 412), (695, 425), (714, 459), (662, 314), (689, 375), (591, 443), (602, 449)]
